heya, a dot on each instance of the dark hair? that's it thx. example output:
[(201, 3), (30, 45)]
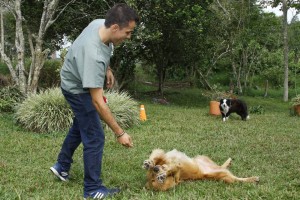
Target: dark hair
[(120, 14)]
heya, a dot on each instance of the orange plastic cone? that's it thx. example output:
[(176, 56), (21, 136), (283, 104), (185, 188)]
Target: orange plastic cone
[(143, 116)]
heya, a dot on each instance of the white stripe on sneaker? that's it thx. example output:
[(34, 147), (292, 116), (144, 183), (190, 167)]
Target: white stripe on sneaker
[(98, 195)]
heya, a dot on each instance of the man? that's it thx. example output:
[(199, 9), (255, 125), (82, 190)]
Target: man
[(82, 81)]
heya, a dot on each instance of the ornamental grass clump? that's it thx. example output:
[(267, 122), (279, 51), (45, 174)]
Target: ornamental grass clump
[(123, 107), (47, 111), (295, 101)]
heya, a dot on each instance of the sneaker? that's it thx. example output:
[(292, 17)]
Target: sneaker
[(58, 171), (101, 193)]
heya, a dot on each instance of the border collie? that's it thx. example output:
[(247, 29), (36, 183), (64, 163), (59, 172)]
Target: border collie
[(228, 106)]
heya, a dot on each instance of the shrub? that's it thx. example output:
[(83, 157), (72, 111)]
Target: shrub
[(45, 112), (295, 100), (123, 107), (10, 96), (49, 76), (48, 111), (5, 80), (257, 109), (216, 95), (3, 68)]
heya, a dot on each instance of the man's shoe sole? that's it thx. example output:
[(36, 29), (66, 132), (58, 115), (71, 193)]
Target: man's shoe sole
[(57, 174)]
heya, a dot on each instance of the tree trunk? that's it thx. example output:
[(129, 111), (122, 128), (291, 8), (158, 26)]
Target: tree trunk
[(238, 81), (237, 77), (266, 88), (245, 68), (10, 66), (19, 42), (205, 82), (285, 52), (38, 60), (2, 29), (160, 79)]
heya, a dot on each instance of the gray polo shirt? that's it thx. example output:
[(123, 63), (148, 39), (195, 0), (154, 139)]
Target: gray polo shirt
[(86, 61)]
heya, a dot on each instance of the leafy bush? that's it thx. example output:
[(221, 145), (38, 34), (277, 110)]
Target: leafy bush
[(123, 107), (257, 109), (49, 76), (216, 95), (295, 100), (5, 80), (3, 68), (274, 74), (45, 112), (48, 111), (10, 96)]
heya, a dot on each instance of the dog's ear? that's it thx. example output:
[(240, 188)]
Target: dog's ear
[(229, 102), (221, 101)]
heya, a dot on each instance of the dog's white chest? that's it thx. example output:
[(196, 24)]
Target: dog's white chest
[(177, 155), (225, 108)]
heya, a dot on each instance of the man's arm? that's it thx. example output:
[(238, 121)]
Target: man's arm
[(106, 115), (110, 78)]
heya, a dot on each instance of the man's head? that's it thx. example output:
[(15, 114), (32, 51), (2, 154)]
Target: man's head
[(121, 19)]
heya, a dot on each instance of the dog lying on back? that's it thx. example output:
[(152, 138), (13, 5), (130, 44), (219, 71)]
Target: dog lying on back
[(228, 106), (167, 169)]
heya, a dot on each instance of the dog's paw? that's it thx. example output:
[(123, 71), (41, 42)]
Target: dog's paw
[(148, 164), (227, 163), (253, 179), (161, 177)]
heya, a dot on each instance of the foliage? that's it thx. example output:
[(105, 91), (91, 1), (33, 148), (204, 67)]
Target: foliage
[(3, 68), (123, 107), (179, 38), (165, 28), (216, 95), (294, 43), (49, 76), (274, 75), (9, 97), (123, 64), (295, 100), (45, 112), (5, 80), (258, 109)]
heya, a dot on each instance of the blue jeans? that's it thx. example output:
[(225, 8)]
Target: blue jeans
[(87, 129)]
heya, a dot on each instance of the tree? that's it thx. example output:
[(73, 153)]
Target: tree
[(27, 81), (1, 28), (163, 30), (285, 5)]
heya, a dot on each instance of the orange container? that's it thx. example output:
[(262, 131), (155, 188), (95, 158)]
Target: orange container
[(214, 108)]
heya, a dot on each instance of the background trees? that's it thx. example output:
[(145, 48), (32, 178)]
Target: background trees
[(177, 40), (32, 19)]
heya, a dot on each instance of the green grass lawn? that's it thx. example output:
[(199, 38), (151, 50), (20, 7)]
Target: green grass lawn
[(267, 146)]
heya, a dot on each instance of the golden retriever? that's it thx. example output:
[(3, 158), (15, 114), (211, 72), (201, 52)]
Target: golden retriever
[(167, 169)]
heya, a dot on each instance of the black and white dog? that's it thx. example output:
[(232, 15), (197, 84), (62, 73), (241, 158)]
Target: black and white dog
[(228, 106)]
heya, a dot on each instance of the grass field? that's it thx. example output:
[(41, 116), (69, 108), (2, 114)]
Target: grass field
[(267, 146)]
